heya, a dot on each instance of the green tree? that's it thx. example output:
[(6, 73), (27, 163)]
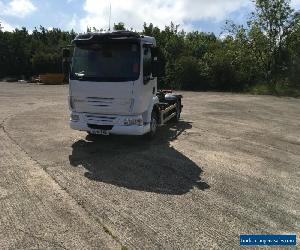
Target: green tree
[(294, 62), (272, 23), (46, 63), (191, 74), (119, 26), (267, 50)]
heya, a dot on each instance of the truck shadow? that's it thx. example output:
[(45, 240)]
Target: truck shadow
[(138, 164)]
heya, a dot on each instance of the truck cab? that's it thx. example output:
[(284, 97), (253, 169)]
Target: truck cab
[(113, 85)]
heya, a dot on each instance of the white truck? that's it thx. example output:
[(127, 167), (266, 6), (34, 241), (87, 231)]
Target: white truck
[(113, 85)]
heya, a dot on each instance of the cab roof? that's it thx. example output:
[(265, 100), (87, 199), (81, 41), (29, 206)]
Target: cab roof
[(92, 37)]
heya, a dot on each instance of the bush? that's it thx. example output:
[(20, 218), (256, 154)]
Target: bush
[(279, 89), (191, 74)]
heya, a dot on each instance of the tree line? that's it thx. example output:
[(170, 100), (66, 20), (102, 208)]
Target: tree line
[(263, 55), (27, 54)]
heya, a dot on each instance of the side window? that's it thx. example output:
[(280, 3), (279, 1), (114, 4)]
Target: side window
[(147, 63)]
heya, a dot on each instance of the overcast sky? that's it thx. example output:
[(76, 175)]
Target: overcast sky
[(203, 15)]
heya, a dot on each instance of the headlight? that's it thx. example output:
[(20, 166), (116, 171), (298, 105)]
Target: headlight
[(133, 121), (75, 118)]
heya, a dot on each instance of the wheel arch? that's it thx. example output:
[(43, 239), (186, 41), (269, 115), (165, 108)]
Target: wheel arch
[(152, 106)]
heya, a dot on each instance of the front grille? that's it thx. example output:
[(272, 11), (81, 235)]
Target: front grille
[(101, 127), (100, 119), (100, 102)]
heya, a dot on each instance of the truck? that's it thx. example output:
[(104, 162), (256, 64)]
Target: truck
[(113, 85)]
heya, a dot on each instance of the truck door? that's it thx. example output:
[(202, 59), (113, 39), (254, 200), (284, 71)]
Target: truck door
[(150, 83)]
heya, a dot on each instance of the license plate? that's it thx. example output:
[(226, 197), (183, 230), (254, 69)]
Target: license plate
[(99, 132)]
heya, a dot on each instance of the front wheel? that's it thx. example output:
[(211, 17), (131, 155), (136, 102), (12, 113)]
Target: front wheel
[(92, 137), (153, 125)]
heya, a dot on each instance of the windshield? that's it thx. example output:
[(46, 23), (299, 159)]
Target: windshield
[(112, 62)]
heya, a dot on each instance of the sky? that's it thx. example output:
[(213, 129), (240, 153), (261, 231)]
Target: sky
[(202, 15)]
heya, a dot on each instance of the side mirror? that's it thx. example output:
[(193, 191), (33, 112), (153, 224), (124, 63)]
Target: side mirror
[(66, 64), (155, 52), (66, 53), (156, 63), (157, 69)]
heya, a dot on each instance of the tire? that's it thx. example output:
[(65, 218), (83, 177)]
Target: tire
[(92, 136), (153, 125)]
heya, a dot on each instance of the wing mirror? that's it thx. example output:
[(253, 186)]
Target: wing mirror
[(66, 63), (156, 63), (66, 53)]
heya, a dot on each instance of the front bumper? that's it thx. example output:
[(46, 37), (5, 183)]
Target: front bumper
[(108, 120)]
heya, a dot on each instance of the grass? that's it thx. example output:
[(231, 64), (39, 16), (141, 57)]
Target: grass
[(278, 89)]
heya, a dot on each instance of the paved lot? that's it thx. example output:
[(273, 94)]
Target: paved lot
[(231, 166)]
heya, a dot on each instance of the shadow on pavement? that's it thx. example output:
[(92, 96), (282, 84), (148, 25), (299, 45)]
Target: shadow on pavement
[(139, 164)]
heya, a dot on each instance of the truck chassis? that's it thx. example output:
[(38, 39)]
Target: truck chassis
[(169, 105)]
